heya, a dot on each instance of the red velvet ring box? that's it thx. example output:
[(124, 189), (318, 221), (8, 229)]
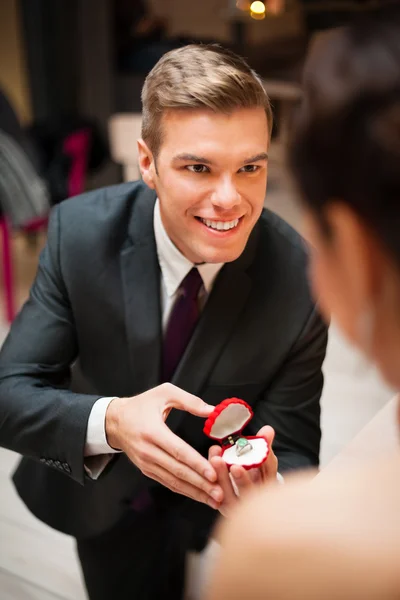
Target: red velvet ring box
[(225, 425)]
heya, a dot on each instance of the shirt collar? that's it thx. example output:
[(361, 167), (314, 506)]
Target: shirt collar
[(174, 266)]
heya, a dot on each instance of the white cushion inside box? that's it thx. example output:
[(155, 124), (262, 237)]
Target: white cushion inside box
[(254, 456)]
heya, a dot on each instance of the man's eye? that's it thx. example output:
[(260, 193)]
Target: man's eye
[(249, 169), (198, 168)]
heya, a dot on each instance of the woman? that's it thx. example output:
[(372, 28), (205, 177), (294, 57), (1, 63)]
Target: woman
[(339, 537)]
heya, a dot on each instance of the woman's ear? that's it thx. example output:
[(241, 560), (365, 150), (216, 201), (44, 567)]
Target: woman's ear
[(146, 164)]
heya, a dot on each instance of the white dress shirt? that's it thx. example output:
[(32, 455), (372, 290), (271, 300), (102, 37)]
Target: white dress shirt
[(174, 268)]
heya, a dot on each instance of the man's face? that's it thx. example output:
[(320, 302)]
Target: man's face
[(210, 179)]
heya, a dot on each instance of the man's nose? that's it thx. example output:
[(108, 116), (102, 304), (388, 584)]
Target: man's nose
[(226, 195)]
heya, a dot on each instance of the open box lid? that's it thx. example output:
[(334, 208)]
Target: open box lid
[(229, 417), (225, 425)]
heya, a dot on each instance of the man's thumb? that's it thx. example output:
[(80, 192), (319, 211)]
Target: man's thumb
[(268, 433)]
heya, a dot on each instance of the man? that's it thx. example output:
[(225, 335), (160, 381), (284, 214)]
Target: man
[(180, 280)]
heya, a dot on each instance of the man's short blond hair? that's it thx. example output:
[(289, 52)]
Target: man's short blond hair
[(199, 76)]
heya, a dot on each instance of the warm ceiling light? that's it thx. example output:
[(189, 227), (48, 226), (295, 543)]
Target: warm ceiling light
[(257, 10)]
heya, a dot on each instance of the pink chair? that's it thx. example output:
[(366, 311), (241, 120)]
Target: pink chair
[(76, 146)]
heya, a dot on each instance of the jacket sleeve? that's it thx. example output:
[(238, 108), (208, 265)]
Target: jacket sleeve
[(39, 416), (291, 404)]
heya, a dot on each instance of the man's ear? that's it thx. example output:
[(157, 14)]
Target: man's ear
[(146, 164)]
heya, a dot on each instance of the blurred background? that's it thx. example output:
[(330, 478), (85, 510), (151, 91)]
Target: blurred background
[(71, 74)]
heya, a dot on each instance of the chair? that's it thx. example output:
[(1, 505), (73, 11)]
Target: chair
[(76, 146), (124, 130)]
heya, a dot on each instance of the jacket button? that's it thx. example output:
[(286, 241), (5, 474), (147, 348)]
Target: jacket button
[(66, 467), (57, 464), (42, 459)]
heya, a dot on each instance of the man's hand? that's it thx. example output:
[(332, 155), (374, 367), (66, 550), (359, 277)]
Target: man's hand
[(137, 427), (244, 480)]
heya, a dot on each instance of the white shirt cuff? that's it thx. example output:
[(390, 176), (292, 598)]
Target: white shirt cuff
[(96, 441), (95, 465), (279, 478)]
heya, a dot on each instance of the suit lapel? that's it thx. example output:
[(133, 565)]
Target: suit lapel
[(141, 288), (217, 322), (140, 273)]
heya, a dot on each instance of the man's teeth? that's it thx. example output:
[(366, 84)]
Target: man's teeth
[(220, 225)]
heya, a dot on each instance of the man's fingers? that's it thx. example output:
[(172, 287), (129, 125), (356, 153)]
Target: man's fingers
[(183, 453), (178, 398), (214, 451), (268, 433), (182, 472), (255, 475), (224, 481), (269, 468), (180, 487), (242, 478)]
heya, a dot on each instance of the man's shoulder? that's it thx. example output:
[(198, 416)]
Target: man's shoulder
[(281, 260), (106, 199), (277, 234), (279, 270)]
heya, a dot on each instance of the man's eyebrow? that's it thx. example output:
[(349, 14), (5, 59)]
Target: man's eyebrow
[(256, 158), (206, 161), (193, 158)]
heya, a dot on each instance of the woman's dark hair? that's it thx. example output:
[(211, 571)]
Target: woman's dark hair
[(346, 142)]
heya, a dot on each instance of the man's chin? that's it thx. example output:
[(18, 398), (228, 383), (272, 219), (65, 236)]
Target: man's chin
[(220, 256)]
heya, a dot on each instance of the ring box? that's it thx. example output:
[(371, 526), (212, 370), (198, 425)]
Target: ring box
[(225, 425)]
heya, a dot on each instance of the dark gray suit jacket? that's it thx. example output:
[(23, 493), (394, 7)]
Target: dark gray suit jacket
[(95, 306)]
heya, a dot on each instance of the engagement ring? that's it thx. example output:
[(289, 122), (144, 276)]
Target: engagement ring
[(243, 446)]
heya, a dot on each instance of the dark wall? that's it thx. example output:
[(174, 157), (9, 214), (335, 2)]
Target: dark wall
[(69, 56), (50, 30)]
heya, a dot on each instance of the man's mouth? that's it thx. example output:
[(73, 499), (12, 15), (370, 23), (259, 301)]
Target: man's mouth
[(219, 225)]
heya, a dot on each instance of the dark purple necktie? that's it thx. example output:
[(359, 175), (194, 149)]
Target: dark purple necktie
[(181, 324)]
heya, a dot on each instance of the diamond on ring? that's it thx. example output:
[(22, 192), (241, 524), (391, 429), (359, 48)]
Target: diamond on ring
[(243, 446)]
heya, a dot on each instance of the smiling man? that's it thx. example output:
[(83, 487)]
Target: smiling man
[(174, 292)]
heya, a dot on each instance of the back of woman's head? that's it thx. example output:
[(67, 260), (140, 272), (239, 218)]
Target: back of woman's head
[(346, 145)]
